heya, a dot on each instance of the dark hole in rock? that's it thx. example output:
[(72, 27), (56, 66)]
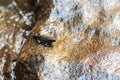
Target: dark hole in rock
[(14, 60), (47, 42)]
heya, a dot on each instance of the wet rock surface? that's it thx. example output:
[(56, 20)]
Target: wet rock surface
[(59, 40), (28, 69)]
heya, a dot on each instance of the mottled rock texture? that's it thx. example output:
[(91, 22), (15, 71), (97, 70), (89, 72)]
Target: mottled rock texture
[(85, 34)]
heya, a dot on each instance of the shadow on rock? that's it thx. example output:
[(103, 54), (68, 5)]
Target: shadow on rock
[(27, 69)]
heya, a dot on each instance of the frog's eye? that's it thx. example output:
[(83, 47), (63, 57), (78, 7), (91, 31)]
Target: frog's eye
[(43, 41)]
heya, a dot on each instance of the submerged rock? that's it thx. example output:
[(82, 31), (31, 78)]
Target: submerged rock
[(84, 35)]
